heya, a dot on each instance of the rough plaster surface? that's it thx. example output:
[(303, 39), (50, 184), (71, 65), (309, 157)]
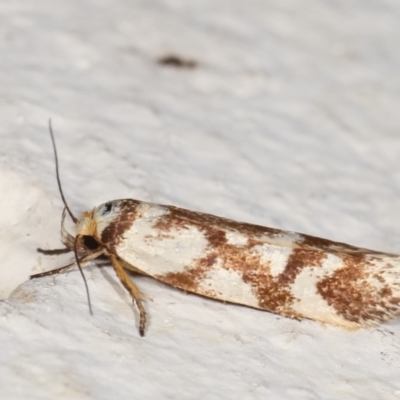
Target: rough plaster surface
[(289, 120)]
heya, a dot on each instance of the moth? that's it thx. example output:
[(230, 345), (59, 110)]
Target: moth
[(287, 273)]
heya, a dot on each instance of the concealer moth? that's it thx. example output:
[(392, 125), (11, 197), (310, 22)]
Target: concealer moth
[(287, 273)]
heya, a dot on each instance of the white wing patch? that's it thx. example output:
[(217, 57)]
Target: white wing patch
[(146, 249), (309, 302), (228, 285), (273, 256), (236, 239)]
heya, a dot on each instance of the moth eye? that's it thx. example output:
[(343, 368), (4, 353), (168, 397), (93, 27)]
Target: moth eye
[(107, 208), (90, 242)]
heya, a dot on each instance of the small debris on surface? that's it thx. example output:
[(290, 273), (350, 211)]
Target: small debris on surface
[(177, 62)]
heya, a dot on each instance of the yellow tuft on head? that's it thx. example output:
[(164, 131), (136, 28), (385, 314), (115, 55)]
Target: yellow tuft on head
[(86, 225)]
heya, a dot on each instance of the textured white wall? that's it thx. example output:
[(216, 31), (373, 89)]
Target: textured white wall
[(290, 120)]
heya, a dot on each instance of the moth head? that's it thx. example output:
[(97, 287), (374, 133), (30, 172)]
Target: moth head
[(101, 228), (87, 240)]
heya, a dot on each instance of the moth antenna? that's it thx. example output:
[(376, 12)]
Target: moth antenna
[(58, 175), (78, 263)]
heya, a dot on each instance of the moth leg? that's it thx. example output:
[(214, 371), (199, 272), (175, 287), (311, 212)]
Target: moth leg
[(130, 267), (53, 251), (66, 267), (134, 271), (53, 271), (132, 289)]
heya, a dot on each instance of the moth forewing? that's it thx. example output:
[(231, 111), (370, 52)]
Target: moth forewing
[(292, 274), (288, 273)]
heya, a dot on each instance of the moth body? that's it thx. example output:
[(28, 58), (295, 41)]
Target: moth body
[(291, 274)]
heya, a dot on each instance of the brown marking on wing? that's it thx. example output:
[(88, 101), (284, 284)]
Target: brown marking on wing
[(114, 232), (181, 218), (216, 238), (271, 294), (352, 295), (190, 279), (298, 260)]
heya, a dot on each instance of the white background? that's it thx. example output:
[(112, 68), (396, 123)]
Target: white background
[(291, 120)]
